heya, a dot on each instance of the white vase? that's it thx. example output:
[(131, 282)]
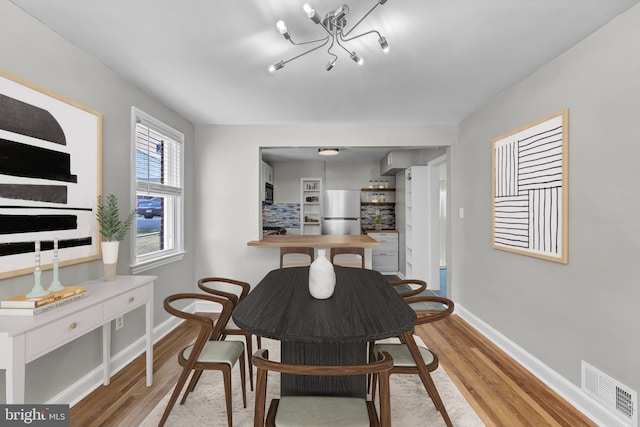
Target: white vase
[(322, 277), (110, 259)]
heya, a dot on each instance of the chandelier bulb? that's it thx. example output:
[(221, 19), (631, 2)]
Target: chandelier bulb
[(383, 44), (357, 58), (330, 64), (308, 9), (341, 12), (311, 13), (281, 26), (275, 67)]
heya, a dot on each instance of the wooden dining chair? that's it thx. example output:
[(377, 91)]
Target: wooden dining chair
[(403, 356), (409, 287), (293, 261), (321, 410), (207, 352), (343, 260), (236, 291)]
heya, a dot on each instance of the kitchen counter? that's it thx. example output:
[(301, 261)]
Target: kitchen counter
[(316, 241)]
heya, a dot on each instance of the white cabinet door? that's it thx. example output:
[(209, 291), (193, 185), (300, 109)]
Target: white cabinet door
[(422, 225), (385, 257)]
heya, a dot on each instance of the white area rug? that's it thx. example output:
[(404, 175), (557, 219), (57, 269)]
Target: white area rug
[(410, 404)]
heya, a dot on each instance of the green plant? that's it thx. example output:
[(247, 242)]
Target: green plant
[(111, 226), (378, 218)]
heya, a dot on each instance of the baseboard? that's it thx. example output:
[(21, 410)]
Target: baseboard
[(85, 385), (565, 388)]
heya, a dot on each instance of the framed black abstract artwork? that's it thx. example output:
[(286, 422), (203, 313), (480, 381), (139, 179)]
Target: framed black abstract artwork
[(530, 189), (50, 177)]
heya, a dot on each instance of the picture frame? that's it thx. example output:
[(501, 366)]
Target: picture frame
[(530, 189), (50, 177)]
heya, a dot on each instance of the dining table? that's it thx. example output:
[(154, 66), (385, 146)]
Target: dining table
[(332, 331)]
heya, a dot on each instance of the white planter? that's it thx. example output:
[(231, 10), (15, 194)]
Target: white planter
[(110, 259), (322, 277)]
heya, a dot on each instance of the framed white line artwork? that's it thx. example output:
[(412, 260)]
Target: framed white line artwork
[(530, 189), (50, 177)]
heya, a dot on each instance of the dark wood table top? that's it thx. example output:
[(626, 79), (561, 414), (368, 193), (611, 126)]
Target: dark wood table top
[(363, 308)]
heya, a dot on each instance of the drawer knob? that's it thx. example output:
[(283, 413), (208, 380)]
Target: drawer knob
[(73, 325), (131, 299)]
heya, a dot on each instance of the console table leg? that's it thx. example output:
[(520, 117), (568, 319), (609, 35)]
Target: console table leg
[(149, 337), (15, 370), (106, 353)]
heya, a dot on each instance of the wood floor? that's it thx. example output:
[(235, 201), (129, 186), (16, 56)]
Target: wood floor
[(501, 391)]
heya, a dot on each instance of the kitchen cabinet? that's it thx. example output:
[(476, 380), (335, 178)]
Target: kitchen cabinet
[(310, 205), (384, 258), (266, 177), (267, 172), (422, 235)]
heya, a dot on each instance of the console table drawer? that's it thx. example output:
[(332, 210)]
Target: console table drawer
[(125, 302), (53, 335)]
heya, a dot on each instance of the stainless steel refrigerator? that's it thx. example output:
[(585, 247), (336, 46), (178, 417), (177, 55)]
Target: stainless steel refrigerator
[(340, 212)]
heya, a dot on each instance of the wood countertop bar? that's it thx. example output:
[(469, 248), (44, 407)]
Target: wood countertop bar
[(316, 241)]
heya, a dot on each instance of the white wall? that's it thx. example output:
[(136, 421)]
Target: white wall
[(587, 309), (227, 184), (37, 54)]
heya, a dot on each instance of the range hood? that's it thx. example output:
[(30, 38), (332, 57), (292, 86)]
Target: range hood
[(397, 161)]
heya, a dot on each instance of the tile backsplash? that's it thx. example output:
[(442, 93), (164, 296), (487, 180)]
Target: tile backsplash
[(281, 215), (368, 213), (287, 215)]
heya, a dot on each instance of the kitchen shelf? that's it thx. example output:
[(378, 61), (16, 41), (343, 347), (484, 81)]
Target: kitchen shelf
[(378, 203), (311, 205), (377, 189)]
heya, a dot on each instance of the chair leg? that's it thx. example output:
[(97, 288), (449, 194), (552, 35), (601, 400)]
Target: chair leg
[(248, 338), (174, 396), (427, 381), (192, 385), (374, 381), (259, 341), (226, 374), (260, 398), (243, 381), (437, 401)]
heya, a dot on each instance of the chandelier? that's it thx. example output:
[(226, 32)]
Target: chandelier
[(334, 23)]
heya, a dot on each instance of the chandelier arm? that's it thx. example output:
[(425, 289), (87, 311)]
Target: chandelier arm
[(326, 40), (359, 35), (340, 44), (311, 41), (362, 19)]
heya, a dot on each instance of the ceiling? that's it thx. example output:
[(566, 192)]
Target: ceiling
[(208, 59)]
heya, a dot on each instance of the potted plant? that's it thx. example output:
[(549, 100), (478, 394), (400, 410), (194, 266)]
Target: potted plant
[(113, 229), (378, 220)]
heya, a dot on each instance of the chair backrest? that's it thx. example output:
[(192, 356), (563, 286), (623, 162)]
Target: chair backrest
[(381, 366), (296, 250), (209, 329), (233, 289), (409, 287), (347, 251), (437, 308)]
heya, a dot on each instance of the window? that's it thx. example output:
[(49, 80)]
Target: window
[(158, 153)]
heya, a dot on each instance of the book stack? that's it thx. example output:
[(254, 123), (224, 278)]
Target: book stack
[(22, 306)]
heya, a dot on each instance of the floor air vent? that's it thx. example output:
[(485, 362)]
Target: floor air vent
[(616, 397)]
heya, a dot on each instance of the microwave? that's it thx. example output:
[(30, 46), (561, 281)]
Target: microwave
[(268, 193)]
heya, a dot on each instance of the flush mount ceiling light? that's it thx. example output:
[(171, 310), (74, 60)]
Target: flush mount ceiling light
[(328, 151), (334, 24)]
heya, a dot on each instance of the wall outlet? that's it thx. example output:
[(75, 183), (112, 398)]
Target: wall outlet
[(119, 323)]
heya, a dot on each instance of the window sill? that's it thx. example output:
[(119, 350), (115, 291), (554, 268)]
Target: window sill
[(157, 262)]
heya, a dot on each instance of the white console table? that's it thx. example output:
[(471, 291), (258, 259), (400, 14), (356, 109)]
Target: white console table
[(24, 338)]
